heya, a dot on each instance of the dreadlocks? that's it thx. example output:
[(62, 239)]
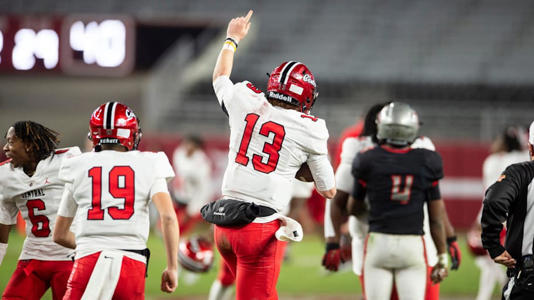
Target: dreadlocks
[(42, 140)]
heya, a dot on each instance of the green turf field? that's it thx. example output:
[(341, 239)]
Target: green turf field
[(301, 275)]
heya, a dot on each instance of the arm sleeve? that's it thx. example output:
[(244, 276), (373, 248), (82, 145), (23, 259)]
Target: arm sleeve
[(223, 87), (497, 203), (8, 212), (67, 206), (434, 192), (163, 168), (65, 170), (344, 179), (322, 172), (435, 165), (328, 225), (159, 186), (360, 177)]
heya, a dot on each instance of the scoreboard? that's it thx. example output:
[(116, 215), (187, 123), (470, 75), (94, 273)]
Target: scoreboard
[(75, 45)]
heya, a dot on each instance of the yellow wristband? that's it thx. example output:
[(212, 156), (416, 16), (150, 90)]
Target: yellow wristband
[(228, 45)]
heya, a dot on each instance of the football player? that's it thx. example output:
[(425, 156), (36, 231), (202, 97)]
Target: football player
[(358, 226), (271, 136), (398, 180), (192, 185), (30, 184), (109, 191)]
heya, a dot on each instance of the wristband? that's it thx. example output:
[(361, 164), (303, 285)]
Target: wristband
[(3, 250), (443, 259), (228, 45), (229, 39), (332, 246)]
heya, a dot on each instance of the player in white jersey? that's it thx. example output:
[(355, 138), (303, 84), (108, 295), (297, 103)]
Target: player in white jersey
[(109, 191), (358, 228), (192, 185), (270, 138), (29, 183)]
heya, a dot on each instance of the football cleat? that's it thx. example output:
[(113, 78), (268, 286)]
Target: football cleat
[(293, 83), (195, 254), (114, 123)]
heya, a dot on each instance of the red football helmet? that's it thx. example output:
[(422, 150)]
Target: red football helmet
[(114, 123), (195, 254), (293, 83)]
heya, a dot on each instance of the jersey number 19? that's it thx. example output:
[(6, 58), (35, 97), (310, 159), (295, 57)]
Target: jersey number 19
[(118, 188)]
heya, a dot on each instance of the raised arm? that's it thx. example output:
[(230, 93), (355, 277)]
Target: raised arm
[(237, 30)]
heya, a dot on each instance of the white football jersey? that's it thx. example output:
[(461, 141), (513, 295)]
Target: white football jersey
[(108, 192), (193, 178), (268, 144), (37, 198), (345, 181), (496, 163)]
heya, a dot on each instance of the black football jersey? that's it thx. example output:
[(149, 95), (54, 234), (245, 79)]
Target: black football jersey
[(397, 182)]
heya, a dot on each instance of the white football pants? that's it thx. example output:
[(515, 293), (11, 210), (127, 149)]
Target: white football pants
[(394, 257)]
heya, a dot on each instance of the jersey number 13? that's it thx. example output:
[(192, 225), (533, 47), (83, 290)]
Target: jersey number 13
[(271, 149)]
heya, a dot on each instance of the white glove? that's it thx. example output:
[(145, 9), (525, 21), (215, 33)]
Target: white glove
[(290, 232)]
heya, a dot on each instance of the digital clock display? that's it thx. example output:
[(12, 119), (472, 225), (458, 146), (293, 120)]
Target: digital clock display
[(79, 45)]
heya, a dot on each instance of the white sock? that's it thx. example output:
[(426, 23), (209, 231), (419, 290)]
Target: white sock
[(218, 291)]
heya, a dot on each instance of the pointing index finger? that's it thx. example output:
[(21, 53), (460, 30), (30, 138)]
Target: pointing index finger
[(249, 15)]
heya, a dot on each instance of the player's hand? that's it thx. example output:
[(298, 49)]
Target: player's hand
[(505, 259), (332, 258), (454, 252), (439, 272), (238, 27), (169, 280)]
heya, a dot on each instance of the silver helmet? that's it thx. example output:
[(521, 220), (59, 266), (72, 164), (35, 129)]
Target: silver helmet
[(397, 124)]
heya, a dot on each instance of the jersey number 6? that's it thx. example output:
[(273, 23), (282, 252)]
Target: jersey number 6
[(118, 188), (271, 149)]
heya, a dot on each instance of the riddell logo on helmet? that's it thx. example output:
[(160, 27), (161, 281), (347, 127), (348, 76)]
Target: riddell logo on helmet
[(280, 96), (307, 78)]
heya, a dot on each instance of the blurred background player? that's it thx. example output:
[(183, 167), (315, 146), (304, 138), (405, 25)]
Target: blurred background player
[(110, 190), (358, 227), (398, 180), (192, 184), (280, 136), (30, 184), (508, 148)]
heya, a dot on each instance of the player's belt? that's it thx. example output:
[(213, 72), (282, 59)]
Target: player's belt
[(146, 253), (229, 212)]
